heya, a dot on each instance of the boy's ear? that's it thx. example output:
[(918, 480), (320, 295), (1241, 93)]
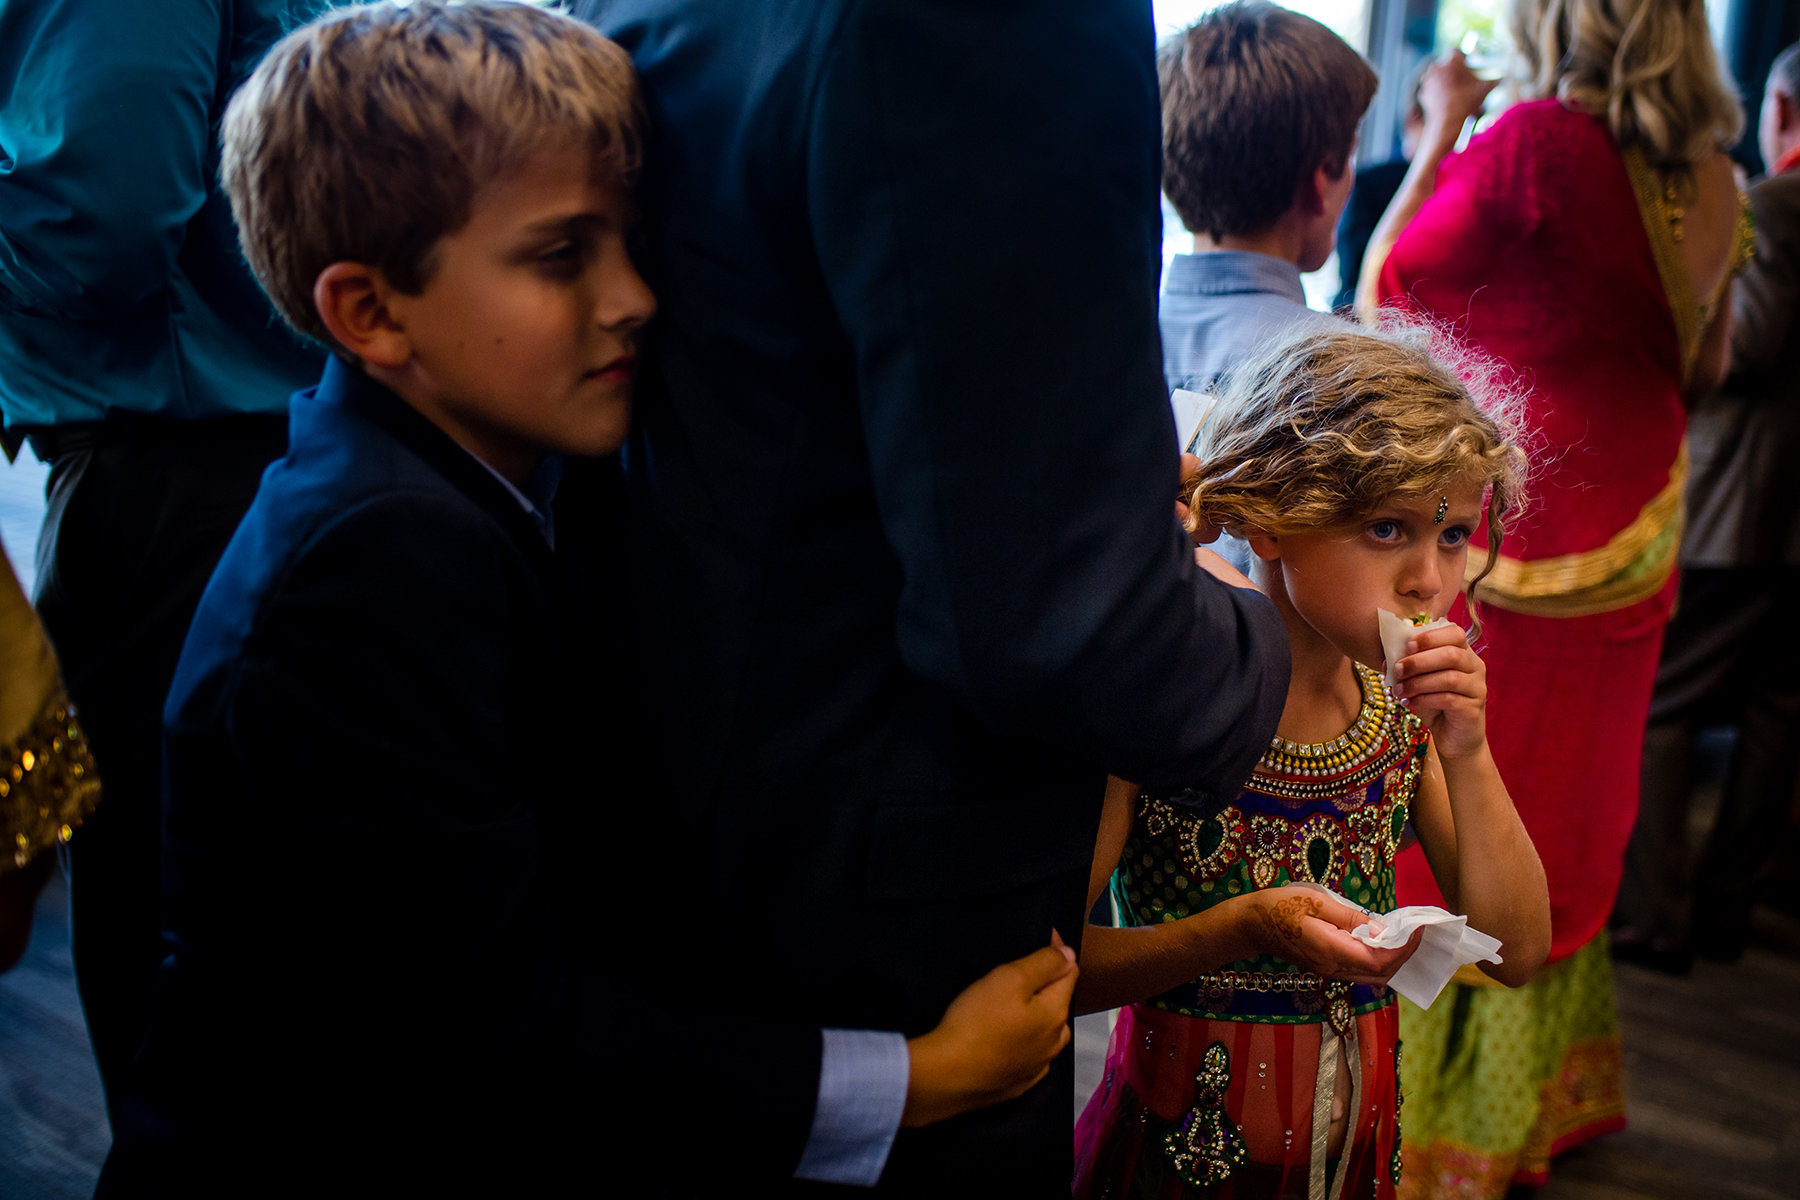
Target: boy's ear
[(352, 299), (1265, 546), (1315, 188)]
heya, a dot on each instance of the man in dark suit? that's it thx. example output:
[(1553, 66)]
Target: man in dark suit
[(1730, 656), (909, 581)]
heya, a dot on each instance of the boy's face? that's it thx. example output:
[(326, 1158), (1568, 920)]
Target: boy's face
[(524, 342)]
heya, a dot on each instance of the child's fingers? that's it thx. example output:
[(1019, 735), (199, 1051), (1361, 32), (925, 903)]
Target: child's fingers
[(1439, 658)]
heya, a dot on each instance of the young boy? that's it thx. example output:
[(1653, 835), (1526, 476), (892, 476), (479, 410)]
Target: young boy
[(1260, 107), (401, 799)]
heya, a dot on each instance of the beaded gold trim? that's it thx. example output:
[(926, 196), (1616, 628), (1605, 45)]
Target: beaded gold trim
[(1261, 981), (1215, 990), (48, 785), (1632, 565), (1362, 739), (1354, 759)]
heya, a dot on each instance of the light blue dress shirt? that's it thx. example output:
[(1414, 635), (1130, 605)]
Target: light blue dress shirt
[(1215, 309)]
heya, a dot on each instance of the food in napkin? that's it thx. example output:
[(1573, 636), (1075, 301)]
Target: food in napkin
[(1395, 632)]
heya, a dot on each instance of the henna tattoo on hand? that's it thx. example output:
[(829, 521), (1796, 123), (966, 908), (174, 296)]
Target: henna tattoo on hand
[(1283, 917)]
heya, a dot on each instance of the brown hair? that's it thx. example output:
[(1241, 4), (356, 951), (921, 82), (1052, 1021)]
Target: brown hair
[(1255, 98), (366, 134), (1324, 427), (1646, 67)]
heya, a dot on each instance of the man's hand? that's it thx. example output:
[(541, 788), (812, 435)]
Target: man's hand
[(997, 1038), (1312, 930)]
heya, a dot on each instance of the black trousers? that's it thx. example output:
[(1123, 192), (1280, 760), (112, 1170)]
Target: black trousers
[(1730, 659), (139, 512)]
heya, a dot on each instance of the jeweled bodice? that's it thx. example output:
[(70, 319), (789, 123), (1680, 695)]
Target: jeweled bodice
[(1329, 813)]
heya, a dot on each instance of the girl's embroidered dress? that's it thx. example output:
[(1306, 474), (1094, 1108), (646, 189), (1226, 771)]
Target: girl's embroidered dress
[(1226, 1085)]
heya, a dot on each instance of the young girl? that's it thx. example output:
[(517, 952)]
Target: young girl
[(1265, 1062)]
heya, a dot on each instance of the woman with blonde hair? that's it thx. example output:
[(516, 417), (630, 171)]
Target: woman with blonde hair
[(1588, 238)]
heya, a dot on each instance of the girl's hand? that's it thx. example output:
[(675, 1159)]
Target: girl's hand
[(1445, 684), (1311, 929)]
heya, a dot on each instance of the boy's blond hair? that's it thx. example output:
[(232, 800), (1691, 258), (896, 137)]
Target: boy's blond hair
[(1320, 430), (1255, 98), (366, 134)]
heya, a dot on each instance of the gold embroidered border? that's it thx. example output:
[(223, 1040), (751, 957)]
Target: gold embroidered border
[(1632, 566), (47, 784), (1662, 214)]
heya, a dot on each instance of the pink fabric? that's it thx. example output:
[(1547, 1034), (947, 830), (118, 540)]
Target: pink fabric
[(1151, 1065), (1533, 249)]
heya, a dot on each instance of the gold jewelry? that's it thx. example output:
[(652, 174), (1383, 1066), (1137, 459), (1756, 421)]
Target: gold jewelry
[(1443, 507), (1363, 738)]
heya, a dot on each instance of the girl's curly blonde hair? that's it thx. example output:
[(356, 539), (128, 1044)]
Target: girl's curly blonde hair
[(1322, 429)]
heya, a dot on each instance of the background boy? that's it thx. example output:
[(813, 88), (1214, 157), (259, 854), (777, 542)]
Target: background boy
[(401, 737), (1259, 109)]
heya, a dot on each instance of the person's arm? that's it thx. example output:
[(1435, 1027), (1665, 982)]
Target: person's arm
[(1478, 849), (54, 786), (106, 127), (1450, 94), (1302, 925), (1766, 298), (996, 1041), (984, 212), (1712, 361)]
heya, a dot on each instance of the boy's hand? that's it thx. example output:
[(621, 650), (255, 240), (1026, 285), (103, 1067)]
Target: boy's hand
[(996, 1040), (1190, 466), (1310, 929), (1445, 684)]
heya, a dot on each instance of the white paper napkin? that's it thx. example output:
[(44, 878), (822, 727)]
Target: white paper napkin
[(1448, 944)]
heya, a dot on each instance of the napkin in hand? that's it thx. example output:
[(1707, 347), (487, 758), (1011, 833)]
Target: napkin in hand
[(1448, 944)]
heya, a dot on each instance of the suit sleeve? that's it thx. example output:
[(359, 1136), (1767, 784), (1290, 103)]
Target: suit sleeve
[(104, 133), (390, 662), (983, 188)]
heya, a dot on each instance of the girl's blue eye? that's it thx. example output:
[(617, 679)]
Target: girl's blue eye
[(1384, 531), (1455, 537)]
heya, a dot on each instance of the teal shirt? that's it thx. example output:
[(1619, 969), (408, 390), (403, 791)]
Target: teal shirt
[(121, 284)]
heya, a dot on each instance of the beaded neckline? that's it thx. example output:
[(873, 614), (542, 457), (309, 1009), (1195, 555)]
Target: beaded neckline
[(1344, 753)]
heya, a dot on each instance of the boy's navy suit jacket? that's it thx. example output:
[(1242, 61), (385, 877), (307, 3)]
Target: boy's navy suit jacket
[(901, 497), (404, 829)]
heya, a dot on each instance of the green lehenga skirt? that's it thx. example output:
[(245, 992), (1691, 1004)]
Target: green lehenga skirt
[(1497, 1081)]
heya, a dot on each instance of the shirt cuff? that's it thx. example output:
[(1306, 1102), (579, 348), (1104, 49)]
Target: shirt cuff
[(863, 1076)]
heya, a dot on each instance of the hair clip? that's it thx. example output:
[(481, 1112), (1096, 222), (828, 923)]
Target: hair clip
[(1443, 507)]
